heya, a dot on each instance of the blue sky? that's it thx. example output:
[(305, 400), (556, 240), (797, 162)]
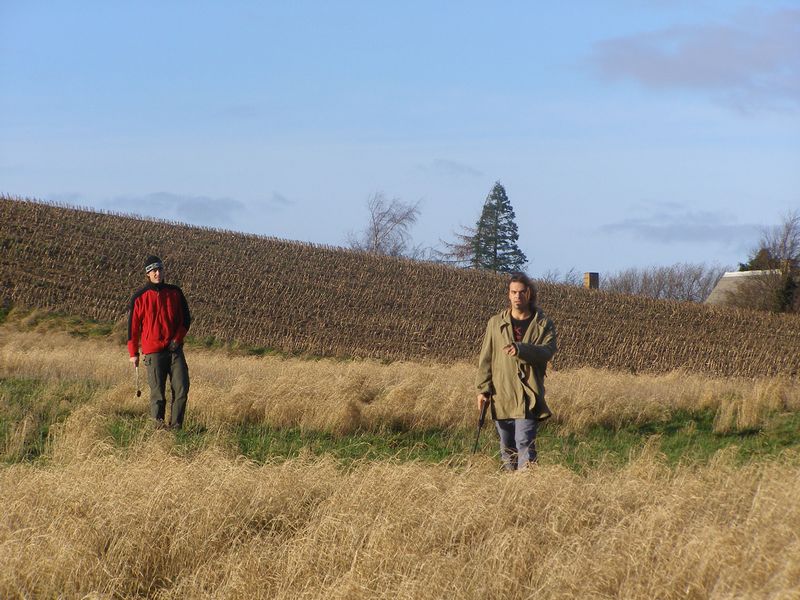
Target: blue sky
[(627, 133)]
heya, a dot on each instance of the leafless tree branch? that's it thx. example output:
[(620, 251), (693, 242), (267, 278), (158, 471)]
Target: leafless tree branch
[(388, 227), (688, 282)]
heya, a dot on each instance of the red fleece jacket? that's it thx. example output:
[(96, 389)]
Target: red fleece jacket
[(158, 314)]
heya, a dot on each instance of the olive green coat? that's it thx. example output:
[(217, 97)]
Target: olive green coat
[(512, 379)]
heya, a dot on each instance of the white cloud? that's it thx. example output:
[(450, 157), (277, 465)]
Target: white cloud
[(669, 223), (750, 64)]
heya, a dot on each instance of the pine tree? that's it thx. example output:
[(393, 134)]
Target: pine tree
[(494, 245)]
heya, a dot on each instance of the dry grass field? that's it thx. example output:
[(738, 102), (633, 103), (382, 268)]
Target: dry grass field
[(89, 519), (344, 396), (153, 525)]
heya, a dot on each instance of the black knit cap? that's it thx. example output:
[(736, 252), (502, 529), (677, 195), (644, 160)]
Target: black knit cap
[(152, 263)]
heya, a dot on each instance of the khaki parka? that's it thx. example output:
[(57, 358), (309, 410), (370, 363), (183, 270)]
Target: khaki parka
[(516, 383)]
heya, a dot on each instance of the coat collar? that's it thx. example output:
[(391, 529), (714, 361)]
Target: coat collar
[(505, 316), (505, 324)]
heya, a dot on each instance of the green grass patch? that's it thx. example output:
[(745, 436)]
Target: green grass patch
[(39, 320), (126, 430), (193, 438), (686, 439), (261, 443), (29, 408)]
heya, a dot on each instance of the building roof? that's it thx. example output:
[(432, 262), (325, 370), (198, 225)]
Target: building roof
[(730, 282)]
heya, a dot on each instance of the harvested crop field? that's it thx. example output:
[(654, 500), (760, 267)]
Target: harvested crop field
[(346, 294)]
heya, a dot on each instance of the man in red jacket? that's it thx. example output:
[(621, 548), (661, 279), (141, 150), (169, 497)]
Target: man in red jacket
[(159, 318)]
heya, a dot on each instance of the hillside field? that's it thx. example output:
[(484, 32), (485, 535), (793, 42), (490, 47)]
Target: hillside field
[(305, 299)]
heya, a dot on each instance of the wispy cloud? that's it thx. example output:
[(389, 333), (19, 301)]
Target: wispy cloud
[(749, 64), (451, 168), (198, 210), (670, 223), (280, 201)]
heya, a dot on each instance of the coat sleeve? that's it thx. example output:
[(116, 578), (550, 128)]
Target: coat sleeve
[(483, 380), (186, 321), (542, 351), (134, 325)]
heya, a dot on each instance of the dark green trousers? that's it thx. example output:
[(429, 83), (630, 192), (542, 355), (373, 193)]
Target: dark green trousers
[(161, 365)]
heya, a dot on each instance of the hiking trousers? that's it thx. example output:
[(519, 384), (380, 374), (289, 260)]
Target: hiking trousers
[(161, 365)]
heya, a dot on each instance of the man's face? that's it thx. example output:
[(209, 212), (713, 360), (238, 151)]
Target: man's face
[(156, 275), (519, 295)]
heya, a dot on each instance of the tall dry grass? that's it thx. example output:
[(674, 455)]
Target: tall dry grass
[(584, 398), (93, 522), (153, 525), (341, 397)]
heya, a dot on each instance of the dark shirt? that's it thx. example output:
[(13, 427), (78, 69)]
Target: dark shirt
[(520, 327)]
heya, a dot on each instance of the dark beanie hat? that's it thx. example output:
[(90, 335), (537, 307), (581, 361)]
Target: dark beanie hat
[(151, 263)]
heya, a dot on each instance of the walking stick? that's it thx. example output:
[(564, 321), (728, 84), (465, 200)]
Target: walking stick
[(138, 391), (481, 419)]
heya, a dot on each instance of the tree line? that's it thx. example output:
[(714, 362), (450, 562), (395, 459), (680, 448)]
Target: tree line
[(491, 245)]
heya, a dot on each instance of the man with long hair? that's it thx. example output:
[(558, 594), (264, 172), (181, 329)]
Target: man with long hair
[(517, 345), (159, 318)]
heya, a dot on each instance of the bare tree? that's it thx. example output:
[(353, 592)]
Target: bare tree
[(387, 231), (761, 291), (571, 277), (781, 243), (777, 288), (687, 282)]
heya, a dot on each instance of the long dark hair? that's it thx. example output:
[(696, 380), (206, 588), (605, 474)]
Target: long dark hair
[(520, 277)]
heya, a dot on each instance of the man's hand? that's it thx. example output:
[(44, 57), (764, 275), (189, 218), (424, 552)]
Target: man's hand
[(173, 346), (481, 399), (511, 349), (134, 360)]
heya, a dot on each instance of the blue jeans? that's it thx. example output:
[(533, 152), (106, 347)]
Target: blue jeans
[(517, 442)]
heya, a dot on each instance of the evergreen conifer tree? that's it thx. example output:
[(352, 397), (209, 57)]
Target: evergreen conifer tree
[(494, 244)]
